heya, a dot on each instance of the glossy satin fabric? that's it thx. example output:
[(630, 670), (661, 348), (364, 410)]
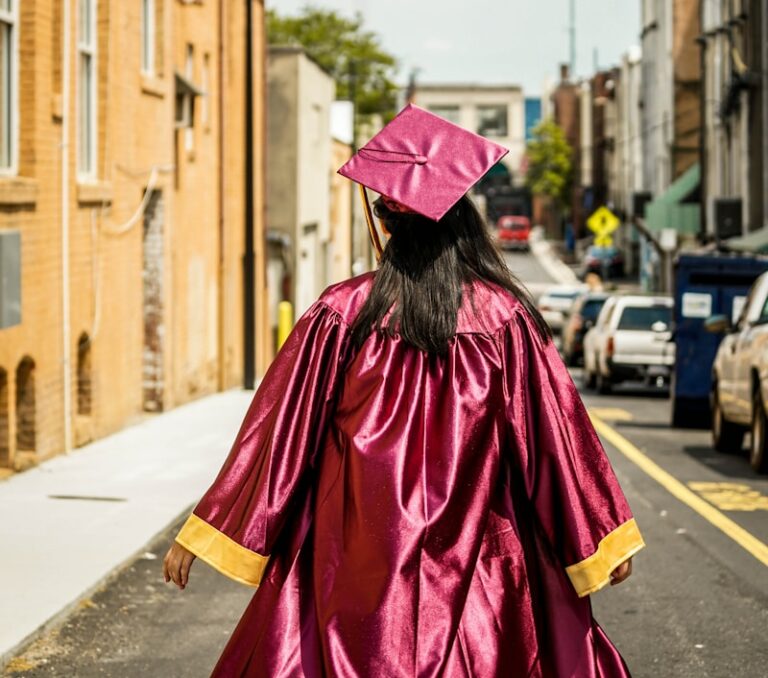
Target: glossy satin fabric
[(418, 513), (423, 161)]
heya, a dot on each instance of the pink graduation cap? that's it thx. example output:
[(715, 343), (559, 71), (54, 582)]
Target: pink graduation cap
[(423, 162)]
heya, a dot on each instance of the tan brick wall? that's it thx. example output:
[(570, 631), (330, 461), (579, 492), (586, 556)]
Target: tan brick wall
[(201, 256), (687, 86)]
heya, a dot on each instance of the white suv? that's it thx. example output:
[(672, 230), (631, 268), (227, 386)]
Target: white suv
[(740, 378), (630, 340)]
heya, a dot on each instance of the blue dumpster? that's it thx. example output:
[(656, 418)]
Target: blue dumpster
[(704, 285)]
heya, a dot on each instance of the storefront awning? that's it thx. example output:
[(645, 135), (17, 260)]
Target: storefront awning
[(678, 207), (184, 86), (757, 241)]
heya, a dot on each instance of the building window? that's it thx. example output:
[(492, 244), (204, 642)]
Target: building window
[(205, 85), (189, 70), (492, 121), (25, 405), (450, 113), (5, 442), (9, 23), (86, 96), (84, 375), (148, 36)]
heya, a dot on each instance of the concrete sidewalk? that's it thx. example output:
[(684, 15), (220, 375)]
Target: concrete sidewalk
[(70, 522), (558, 270)]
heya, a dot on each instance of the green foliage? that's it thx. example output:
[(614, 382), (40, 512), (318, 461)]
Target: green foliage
[(341, 46), (550, 165)]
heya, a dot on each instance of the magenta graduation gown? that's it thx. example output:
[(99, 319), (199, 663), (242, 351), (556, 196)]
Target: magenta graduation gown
[(403, 515)]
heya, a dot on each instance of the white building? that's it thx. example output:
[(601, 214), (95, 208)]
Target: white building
[(299, 152), (625, 177), (496, 112), (657, 94)]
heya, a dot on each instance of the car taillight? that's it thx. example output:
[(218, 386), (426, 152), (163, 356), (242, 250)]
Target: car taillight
[(544, 307), (609, 347)]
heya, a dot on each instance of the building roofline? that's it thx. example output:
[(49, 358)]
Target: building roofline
[(473, 87), (294, 49)]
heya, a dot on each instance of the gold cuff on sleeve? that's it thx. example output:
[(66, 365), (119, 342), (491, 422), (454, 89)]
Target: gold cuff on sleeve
[(221, 552), (591, 574)]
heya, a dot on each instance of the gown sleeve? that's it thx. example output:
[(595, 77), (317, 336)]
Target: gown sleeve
[(569, 481), (236, 523)]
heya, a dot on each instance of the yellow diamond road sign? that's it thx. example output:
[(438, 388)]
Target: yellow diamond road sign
[(602, 223)]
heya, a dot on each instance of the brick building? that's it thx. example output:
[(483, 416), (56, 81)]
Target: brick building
[(563, 103), (127, 189)]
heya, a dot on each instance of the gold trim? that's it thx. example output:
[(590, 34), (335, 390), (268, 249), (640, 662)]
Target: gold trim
[(375, 240), (221, 552), (591, 574)]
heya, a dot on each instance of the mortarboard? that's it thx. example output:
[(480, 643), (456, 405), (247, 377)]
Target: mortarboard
[(423, 162)]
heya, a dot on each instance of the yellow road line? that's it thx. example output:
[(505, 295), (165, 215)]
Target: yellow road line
[(746, 540), (611, 414)]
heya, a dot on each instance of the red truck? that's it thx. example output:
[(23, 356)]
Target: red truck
[(513, 231)]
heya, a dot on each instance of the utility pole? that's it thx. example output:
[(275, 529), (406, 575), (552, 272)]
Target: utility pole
[(572, 33), (249, 273)]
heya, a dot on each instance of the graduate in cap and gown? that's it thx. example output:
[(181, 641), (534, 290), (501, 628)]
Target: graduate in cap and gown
[(417, 489)]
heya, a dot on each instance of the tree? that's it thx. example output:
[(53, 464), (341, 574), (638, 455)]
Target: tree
[(352, 56), (550, 164)]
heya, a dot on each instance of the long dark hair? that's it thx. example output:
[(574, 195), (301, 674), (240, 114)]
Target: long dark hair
[(422, 273)]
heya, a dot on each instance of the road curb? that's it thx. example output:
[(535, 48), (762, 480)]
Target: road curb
[(550, 262), (87, 514), (6, 656)]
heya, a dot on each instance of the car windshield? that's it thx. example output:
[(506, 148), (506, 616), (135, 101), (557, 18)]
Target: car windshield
[(644, 317), (562, 295), (591, 308), (513, 225)]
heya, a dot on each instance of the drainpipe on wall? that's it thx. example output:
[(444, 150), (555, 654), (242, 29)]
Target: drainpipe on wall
[(220, 333), (702, 40), (249, 273), (65, 297), (765, 112)]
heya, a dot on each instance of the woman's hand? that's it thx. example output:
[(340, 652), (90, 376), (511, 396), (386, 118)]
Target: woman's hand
[(176, 565), (622, 572)]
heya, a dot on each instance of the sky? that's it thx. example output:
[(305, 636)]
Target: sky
[(518, 42)]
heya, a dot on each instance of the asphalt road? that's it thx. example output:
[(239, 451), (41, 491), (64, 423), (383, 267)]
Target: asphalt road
[(697, 602), (696, 605), (526, 268)]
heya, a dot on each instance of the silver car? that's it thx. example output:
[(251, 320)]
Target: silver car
[(556, 303), (740, 378), (630, 341)]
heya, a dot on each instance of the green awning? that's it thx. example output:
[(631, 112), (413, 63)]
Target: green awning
[(677, 207), (498, 170), (757, 241)]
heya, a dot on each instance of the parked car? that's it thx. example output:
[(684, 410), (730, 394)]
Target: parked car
[(555, 304), (583, 316), (740, 378), (513, 232), (630, 341), (607, 262)]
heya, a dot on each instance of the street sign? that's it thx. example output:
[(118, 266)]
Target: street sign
[(602, 223)]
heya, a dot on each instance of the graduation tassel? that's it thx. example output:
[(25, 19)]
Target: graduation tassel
[(375, 240)]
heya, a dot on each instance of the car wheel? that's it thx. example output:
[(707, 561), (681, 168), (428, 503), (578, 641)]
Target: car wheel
[(604, 386), (758, 455), (726, 436), (571, 359), (589, 378)]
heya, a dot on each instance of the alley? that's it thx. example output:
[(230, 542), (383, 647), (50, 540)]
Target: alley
[(696, 605)]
